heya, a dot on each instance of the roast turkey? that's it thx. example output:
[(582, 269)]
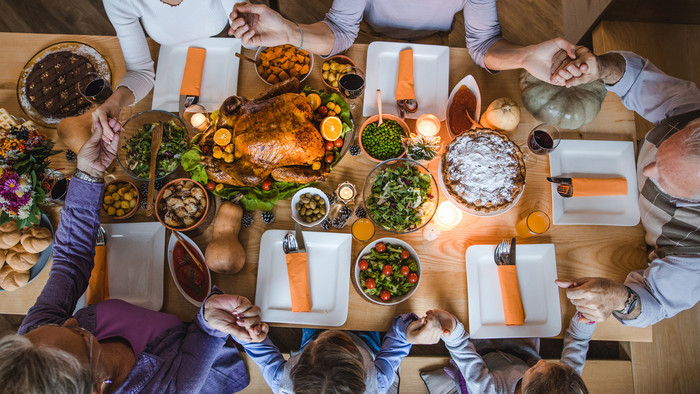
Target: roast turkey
[(273, 136)]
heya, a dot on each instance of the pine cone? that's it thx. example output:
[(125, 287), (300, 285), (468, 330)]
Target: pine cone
[(355, 150), (360, 212), (338, 223), (143, 191), (158, 184), (71, 156), (345, 213), (331, 197), (326, 224), (268, 217), (247, 220)]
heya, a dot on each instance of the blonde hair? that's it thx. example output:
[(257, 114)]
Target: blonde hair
[(557, 379), (25, 368), (331, 364)]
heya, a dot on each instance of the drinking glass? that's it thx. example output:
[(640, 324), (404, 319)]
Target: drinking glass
[(352, 85), (534, 223), (94, 88), (543, 139)]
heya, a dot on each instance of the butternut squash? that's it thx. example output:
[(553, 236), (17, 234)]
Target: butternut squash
[(75, 131), (225, 253)]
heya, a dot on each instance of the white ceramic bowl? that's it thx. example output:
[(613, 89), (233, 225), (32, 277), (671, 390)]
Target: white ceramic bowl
[(393, 300), (171, 246), (470, 83), (295, 199)]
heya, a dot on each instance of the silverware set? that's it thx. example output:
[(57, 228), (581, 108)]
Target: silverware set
[(505, 252), (294, 243), (564, 186)]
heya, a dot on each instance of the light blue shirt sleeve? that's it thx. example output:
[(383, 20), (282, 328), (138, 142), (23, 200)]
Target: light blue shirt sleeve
[(481, 27), (269, 358), (576, 340), (393, 350), (344, 19), (651, 93), (666, 287)]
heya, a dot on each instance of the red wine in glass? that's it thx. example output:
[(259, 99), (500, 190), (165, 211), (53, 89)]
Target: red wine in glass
[(543, 139), (95, 88), (351, 85)]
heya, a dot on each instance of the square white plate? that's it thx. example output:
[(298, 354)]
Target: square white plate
[(605, 158), (537, 270), (431, 75), (219, 76), (329, 279)]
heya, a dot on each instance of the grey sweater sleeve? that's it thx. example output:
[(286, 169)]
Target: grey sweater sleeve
[(576, 344)]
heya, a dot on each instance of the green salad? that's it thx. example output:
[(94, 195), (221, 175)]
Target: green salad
[(138, 150), (387, 271), (401, 198)]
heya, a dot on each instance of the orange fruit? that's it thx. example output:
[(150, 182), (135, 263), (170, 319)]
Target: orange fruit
[(331, 128), (314, 100), (222, 137)]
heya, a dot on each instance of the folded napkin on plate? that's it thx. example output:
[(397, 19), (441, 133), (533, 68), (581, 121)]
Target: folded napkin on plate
[(192, 77), (98, 287), (404, 85), (510, 291), (298, 282), (587, 187)]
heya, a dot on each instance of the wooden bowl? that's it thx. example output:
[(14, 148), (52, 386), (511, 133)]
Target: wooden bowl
[(160, 199), (375, 119), (133, 210), (341, 59)]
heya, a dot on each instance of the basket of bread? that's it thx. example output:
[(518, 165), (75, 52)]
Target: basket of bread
[(23, 252)]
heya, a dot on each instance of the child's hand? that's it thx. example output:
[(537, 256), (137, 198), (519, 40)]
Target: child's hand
[(447, 321), (429, 329)]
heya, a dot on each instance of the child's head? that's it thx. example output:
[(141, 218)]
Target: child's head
[(552, 378), (331, 364)]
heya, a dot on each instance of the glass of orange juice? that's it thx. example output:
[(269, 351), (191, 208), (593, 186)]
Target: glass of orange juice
[(363, 230), (535, 223)]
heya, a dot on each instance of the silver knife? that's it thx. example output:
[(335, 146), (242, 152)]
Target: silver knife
[(300, 239), (511, 256)]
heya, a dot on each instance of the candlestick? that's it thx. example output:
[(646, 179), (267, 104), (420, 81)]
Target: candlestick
[(428, 125), (448, 216)]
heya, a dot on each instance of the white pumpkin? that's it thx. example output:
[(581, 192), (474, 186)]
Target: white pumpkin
[(502, 114)]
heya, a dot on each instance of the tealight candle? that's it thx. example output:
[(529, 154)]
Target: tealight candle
[(448, 216), (346, 191), (199, 121), (428, 125)]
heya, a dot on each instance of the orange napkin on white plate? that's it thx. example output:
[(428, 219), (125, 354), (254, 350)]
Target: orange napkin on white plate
[(192, 77), (510, 291), (404, 85), (297, 271), (98, 287), (587, 187)]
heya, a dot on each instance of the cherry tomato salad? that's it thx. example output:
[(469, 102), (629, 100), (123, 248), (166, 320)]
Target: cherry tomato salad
[(387, 271)]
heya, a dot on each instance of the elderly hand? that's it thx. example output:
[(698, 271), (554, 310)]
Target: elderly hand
[(235, 315), (100, 150), (539, 58), (595, 298), (587, 67), (258, 25), (428, 329)]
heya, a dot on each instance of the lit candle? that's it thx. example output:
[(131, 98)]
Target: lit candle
[(428, 125), (346, 191), (448, 216), (199, 121)]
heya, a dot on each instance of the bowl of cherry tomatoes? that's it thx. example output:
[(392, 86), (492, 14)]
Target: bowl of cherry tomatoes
[(387, 271)]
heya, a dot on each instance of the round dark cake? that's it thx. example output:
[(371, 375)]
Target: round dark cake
[(52, 85)]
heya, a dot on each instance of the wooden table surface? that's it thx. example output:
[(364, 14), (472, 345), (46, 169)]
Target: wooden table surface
[(606, 251)]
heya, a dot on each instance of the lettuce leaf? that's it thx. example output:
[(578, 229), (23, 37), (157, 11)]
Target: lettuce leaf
[(190, 162), (254, 198)]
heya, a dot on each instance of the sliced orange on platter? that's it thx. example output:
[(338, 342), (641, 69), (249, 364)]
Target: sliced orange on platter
[(222, 137), (314, 100), (331, 128)]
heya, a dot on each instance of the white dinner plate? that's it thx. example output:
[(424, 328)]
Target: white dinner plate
[(600, 158), (219, 76), (329, 279), (431, 75), (537, 270)]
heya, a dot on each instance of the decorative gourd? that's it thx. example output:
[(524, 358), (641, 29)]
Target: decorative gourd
[(566, 108), (502, 114), (225, 254), (75, 131)]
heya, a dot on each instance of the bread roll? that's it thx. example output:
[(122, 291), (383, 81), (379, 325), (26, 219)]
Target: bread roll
[(12, 280), (19, 259), (3, 252), (9, 235), (35, 239)]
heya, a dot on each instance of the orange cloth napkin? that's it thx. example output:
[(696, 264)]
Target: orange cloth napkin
[(98, 287), (404, 85), (586, 187), (510, 291), (192, 78), (299, 282)]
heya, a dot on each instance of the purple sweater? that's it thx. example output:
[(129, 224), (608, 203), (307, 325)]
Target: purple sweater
[(185, 358)]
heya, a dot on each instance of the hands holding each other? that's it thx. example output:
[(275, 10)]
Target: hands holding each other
[(235, 315), (431, 327), (595, 298), (258, 25), (585, 67)]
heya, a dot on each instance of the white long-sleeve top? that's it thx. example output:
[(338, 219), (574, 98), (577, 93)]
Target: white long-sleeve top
[(167, 25)]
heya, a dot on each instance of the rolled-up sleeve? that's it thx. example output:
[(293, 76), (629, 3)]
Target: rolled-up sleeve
[(344, 19), (481, 27)]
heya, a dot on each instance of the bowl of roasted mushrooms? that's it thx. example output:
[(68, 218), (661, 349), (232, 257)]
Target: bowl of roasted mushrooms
[(182, 204)]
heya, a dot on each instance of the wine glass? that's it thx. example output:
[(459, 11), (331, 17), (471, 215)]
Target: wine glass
[(96, 89), (543, 139), (352, 85)]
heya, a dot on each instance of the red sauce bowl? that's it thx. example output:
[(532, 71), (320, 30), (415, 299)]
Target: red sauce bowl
[(193, 283)]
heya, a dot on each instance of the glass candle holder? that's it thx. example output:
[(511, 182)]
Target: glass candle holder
[(346, 192), (196, 116), (428, 125), (448, 216)]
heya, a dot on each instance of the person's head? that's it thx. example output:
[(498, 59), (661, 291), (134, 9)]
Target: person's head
[(331, 364), (552, 378), (677, 167)]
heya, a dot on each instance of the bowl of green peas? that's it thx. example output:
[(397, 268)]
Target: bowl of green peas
[(383, 142)]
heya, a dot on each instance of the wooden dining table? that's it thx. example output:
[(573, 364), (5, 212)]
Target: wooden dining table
[(581, 251)]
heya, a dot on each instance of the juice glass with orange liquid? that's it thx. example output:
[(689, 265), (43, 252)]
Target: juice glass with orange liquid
[(363, 230), (535, 223)]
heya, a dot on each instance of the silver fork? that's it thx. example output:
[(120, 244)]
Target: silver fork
[(502, 252), (565, 190), (101, 238)]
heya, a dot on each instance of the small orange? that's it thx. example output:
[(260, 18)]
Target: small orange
[(314, 100), (331, 128), (222, 137)]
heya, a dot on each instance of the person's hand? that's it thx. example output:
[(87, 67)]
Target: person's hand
[(587, 67), (595, 298), (108, 110), (257, 24), (428, 329), (99, 151), (235, 315), (539, 58)]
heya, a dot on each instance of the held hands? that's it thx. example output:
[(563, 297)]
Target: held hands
[(583, 68), (595, 298), (540, 59), (235, 315), (100, 150), (431, 327), (258, 25)]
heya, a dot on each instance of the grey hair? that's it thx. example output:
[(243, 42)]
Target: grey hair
[(25, 368), (692, 143)]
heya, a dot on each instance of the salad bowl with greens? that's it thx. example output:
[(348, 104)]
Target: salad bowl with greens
[(134, 154), (400, 195)]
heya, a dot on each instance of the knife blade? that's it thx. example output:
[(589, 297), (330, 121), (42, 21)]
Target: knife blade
[(300, 239), (555, 179), (191, 78), (511, 255)]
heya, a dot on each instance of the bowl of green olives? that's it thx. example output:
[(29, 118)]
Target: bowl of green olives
[(309, 206)]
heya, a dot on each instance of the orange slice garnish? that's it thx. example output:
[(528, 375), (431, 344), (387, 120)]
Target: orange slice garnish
[(331, 128), (222, 137), (314, 100)]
